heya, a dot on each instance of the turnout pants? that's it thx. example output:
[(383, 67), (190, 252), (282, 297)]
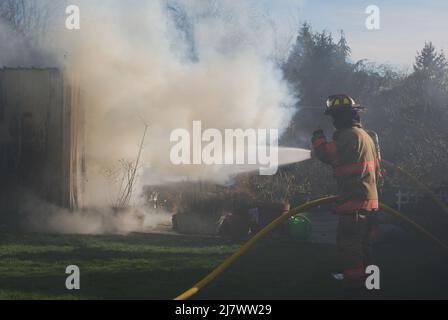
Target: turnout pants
[(354, 245)]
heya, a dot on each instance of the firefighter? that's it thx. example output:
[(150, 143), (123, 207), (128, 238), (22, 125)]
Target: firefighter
[(354, 157)]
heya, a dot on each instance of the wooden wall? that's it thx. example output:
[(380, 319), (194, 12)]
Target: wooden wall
[(39, 117)]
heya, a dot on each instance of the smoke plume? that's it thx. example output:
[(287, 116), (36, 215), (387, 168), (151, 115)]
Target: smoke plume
[(166, 65), (163, 64), (40, 216)]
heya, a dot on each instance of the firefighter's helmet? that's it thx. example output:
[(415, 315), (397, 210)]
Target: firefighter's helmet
[(341, 102)]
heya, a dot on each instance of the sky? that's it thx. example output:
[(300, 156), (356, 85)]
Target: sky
[(405, 25)]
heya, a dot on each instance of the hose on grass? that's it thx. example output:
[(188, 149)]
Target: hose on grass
[(266, 230), (261, 234)]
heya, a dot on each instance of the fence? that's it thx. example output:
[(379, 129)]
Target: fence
[(410, 197)]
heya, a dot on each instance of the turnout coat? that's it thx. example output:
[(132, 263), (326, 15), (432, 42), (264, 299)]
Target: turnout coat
[(356, 167)]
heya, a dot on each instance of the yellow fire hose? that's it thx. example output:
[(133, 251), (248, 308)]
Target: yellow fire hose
[(266, 230), (416, 226), (261, 234), (424, 187)]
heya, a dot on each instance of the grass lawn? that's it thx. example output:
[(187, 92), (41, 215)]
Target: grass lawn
[(144, 266)]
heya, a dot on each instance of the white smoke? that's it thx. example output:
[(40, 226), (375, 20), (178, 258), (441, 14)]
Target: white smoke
[(168, 65), (164, 64), (16, 51), (41, 216)]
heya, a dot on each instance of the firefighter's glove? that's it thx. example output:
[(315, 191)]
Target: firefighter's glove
[(318, 136), (317, 139)]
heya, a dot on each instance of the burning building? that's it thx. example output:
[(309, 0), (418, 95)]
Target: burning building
[(41, 137)]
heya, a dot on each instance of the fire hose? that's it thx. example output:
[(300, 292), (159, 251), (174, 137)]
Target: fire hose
[(266, 230), (304, 207), (421, 185)]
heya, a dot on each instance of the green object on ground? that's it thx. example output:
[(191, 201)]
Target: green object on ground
[(300, 227)]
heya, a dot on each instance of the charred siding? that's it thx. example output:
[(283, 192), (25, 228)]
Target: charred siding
[(38, 141)]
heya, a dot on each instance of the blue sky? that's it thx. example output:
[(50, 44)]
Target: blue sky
[(405, 25)]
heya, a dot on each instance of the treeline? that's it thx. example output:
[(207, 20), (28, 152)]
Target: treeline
[(409, 111)]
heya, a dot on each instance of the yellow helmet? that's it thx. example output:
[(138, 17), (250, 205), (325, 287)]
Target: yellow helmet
[(341, 102)]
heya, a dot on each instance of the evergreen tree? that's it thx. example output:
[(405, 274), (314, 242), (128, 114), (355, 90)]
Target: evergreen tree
[(343, 47), (430, 64)]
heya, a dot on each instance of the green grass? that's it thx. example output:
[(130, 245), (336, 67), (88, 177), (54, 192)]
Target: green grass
[(138, 266)]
